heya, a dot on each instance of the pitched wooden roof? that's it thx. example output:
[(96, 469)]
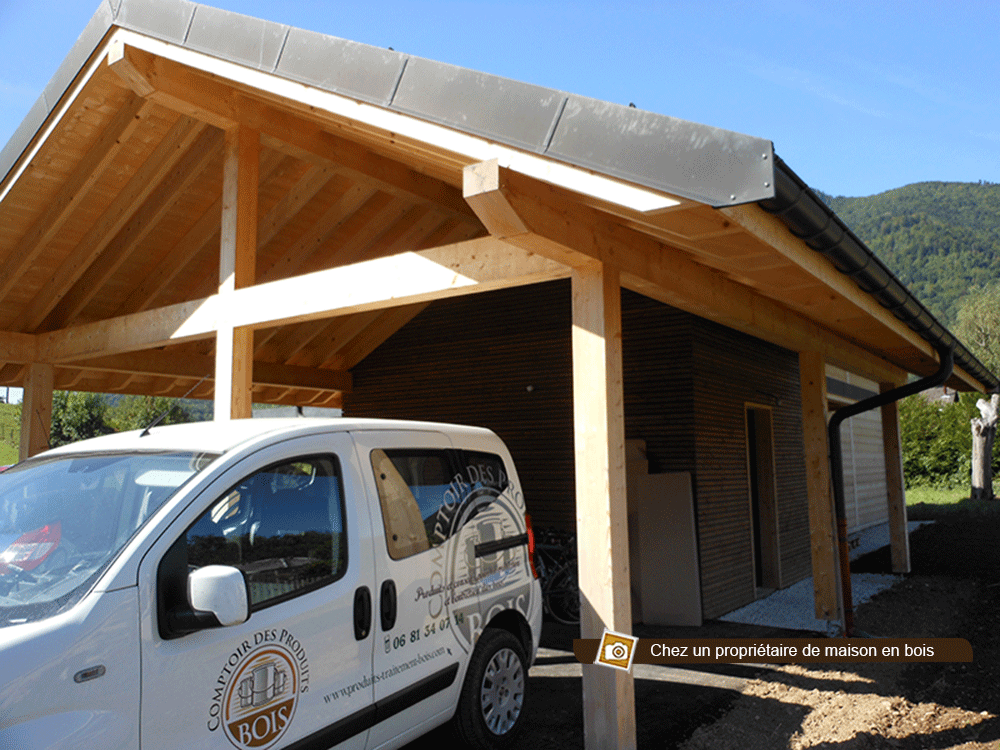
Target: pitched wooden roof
[(385, 182)]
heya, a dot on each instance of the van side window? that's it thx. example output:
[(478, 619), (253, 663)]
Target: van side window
[(283, 527), (425, 493), (413, 489)]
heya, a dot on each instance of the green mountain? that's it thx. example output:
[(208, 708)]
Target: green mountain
[(939, 238)]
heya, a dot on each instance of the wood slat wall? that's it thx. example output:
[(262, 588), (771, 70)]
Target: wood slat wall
[(864, 471), (731, 371), (499, 360), (503, 360)]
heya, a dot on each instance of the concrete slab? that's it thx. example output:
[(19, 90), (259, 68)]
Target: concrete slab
[(794, 606)]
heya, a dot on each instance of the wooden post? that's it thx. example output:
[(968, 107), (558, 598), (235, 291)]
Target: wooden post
[(895, 488), (822, 525), (237, 269), (601, 507), (36, 410)]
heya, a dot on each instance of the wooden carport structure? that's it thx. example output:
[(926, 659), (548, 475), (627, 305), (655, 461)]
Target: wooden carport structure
[(204, 194)]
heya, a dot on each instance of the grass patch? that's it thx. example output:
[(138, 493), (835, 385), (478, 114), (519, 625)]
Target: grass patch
[(10, 433), (934, 496), (930, 504)]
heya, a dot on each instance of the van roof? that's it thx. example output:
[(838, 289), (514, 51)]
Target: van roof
[(223, 436)]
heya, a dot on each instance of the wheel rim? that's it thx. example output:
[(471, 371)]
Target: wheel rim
[(502, 692)]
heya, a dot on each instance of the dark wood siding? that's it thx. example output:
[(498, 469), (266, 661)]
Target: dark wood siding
[(503, 360), (472, 360), (732, 370)]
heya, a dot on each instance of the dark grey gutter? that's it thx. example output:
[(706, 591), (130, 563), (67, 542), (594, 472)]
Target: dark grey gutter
[(807, 217)]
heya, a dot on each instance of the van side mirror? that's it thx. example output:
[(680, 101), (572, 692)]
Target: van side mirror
[(220, 590)]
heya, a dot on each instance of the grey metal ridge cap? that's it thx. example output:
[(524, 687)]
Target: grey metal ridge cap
[(809, 218), (699, 162)]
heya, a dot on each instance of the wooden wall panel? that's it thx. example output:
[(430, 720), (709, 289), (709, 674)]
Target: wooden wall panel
[(500, 360), (472, 360), (730, 371)]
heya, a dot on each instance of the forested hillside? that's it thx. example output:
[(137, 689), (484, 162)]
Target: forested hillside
[(939, 238)]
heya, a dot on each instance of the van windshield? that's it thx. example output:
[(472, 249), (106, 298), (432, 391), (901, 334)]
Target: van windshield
[(63, 519)]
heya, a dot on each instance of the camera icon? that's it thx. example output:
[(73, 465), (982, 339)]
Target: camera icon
[(615, 652)]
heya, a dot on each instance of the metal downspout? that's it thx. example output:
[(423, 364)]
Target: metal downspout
[(946, 358)]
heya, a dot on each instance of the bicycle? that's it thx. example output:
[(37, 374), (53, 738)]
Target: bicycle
[(555, 561)]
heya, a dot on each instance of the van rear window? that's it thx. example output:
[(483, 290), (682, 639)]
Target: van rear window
[(425, 494)]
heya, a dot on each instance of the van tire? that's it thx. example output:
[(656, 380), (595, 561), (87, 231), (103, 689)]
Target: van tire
[(491, 706)]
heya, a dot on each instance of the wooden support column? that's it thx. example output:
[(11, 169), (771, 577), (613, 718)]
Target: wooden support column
[(237, 270), (895, 491), (822, 522), (601, 507), (36, 410)]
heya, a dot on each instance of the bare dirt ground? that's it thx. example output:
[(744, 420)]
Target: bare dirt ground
[(954, 591)]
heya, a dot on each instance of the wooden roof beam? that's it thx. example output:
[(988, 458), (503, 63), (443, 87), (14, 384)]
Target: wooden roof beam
[(332, 220), (770, 230), (204, 233), (142, 223), (19, 348), (409, 278), (208, 98), (443, 144), (577, 235), (145, 180), (62, 205), (195, 366)]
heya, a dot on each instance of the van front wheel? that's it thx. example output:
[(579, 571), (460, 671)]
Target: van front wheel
[(492, 700)]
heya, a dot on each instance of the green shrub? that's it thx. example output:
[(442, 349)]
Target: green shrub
[(937, 441)]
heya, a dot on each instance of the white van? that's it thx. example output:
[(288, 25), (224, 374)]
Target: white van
[(265, 584)]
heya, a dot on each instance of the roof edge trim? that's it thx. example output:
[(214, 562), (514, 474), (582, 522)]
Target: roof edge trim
[(816, 224), (474, 147)]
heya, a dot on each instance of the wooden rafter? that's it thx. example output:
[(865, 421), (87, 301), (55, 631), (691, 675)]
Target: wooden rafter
[(202, 237), (576, 235), (329, 224), (102, 232), (189, 92), (196, 366), (70, 195), (140, 225)]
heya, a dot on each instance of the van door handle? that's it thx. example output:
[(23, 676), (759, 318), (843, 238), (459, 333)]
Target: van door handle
[(362, 613), (387, 604)]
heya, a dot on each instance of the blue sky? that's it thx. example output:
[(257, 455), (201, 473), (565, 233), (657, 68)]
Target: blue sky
[(857, 97)]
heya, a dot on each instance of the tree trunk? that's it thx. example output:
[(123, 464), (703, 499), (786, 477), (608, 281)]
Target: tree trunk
[(984, 430)]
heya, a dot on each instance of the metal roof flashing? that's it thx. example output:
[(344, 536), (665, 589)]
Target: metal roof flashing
[(709, 165)]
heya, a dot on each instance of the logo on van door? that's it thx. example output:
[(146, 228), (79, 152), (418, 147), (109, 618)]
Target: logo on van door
[(258, 690)]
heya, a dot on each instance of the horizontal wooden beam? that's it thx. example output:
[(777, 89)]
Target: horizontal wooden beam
[(409, 278), (18, 348), (576, 235), (211, 100), (484, 189)]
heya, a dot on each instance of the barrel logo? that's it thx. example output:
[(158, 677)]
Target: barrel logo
[(260, 698)]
